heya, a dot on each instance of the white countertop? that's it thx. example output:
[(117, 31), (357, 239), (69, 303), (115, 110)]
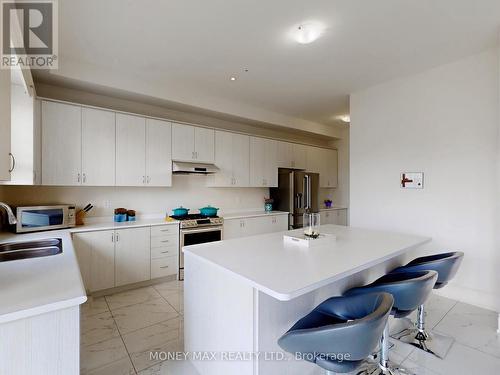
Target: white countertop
[(288, 271), (333, 208), (35, 286), (110, 225), (245, 214)]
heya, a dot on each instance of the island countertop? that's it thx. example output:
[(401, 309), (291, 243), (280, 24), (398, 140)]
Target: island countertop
[(286, 271)]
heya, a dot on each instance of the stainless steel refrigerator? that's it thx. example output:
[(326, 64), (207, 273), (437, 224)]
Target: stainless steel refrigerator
[(297, 193)]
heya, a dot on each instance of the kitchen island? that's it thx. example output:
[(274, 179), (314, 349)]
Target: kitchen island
[(241, 295)]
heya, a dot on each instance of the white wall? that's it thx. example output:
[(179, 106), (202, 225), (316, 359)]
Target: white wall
[(443, 122), (187, 190)]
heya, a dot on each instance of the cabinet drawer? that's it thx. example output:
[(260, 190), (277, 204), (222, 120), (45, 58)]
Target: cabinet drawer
[(162, 252), (162, 241), (162, 230), (164, 267)]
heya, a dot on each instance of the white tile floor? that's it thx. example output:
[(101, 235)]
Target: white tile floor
[(119, 331)]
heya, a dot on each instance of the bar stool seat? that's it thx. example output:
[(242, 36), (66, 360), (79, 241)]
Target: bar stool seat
[(340, 333), (410, 290), (415, 334)]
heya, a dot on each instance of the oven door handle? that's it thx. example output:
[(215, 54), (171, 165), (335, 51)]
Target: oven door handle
[(209, 229)]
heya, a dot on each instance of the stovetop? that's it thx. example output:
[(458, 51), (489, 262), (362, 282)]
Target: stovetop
[(198, 220), (192, 217)]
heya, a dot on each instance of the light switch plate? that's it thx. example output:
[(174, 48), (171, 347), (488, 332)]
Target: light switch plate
[(412, 180)]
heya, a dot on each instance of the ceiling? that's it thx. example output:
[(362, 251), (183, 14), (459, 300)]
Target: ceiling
[(185, 51)]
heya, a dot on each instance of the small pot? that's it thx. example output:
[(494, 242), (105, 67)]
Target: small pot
[(181, 211), (209, 211)]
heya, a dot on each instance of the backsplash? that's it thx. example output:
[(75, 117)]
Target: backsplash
[(190, 191)]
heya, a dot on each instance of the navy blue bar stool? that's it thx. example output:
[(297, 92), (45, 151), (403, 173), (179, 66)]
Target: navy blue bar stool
[(340, 333), (410, 290), (446, 265)]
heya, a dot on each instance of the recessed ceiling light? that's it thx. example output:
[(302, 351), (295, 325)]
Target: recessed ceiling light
[(308, 32), (233, 78)]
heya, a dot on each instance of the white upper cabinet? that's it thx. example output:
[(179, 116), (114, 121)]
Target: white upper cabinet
[(330, 169), (158, 153), (299, 156), (98, 147), (285, 154), (314, 159), (323, 161), (204, 145), (25, 141), (193, 144), (61, 144), (291, 155), (232, 157), (263, 162), (130, 150), (182, 142), (5, 125)]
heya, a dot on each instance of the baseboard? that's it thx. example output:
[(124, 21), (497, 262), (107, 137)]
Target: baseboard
[(474, 297)]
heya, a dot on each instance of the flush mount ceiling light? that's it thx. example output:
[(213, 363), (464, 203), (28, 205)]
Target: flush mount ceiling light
[(307, 32), (233, 78), (345, 118)]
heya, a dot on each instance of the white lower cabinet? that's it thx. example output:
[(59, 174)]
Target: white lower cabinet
[(111, 258), (337, 217), (251, 226), (132, 256), (96, 256)]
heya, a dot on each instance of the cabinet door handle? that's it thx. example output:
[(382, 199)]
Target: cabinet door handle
[(164, 230), (149, 179), (78, 178), (143, 179), (165, 241), (164, 267), (112, 237), (164, 252), (117, 237), (13, 162), (84, 178)]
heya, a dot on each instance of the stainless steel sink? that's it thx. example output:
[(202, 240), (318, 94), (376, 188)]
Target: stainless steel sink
[(30, 249)]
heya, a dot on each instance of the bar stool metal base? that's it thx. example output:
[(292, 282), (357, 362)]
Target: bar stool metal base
[(375, 368), (382, 366), (416, 335)]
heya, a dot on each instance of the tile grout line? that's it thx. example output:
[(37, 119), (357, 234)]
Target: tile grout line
[(445, 315), (121, 337), (161, 295)]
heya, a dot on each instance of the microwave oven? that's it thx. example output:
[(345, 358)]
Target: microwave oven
[(41, 218)]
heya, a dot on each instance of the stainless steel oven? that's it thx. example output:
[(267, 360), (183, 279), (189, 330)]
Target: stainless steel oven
[(39, 218), (194, 236)]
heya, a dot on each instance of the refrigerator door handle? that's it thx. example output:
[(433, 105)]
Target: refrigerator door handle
[(307, 191), (298, 198)]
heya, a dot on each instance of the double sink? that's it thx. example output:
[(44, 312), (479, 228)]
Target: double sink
[(30, 249)]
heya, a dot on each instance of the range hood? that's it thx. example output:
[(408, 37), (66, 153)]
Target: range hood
[(181, 167)]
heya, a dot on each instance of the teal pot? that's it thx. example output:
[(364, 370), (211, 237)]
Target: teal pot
[(268, 207), (209, 211), (181, 211)]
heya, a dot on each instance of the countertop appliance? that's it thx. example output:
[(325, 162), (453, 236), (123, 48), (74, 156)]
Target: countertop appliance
[(195, 229), (297, 193), (41, 218)]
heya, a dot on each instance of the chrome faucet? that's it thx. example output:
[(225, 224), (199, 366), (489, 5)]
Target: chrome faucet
[(10, 214)]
